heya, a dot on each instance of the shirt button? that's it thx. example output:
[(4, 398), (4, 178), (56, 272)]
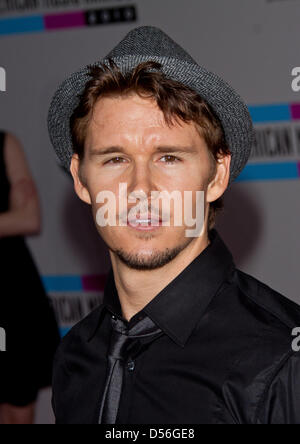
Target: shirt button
[(130, 365), (114, 317)]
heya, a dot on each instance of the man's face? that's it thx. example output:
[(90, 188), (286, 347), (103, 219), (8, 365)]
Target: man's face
[(148, 156)]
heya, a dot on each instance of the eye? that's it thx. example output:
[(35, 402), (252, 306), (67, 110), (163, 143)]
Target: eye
[(114, 160), (173, 158)]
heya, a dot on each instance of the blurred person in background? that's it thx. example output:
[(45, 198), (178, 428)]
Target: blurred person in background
[(25, 312)]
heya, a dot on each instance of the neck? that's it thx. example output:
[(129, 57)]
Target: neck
[(136, 288)]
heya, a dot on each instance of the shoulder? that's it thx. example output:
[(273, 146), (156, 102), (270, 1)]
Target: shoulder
[(266, 317), (280, 401), (80, 333), (266, 299), (264, 364), (85, 328)]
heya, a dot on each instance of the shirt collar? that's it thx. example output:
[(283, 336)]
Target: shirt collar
[(178, 307)]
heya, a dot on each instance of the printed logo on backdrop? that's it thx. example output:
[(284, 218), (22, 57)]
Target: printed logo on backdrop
[(19, 6), (67, 15), (276, 150), (70, 307), (74, 297)]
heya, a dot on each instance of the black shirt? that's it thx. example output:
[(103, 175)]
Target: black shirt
[(224, 355)]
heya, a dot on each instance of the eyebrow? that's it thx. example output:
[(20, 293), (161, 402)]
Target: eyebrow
[(159, 149)]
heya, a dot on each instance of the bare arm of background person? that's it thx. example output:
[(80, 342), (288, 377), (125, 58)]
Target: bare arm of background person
[(23, 216)]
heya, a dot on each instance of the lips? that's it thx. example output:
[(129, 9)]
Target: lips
[(144, 221)]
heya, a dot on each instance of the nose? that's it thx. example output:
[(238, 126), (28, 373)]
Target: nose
[(141, 181)]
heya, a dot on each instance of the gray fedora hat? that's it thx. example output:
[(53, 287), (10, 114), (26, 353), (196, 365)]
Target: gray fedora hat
[(151, 43)]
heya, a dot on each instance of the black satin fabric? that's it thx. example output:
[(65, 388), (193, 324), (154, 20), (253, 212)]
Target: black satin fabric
[(224, 356), (118, 356)]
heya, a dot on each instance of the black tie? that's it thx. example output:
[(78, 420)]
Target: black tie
[(121, 338)]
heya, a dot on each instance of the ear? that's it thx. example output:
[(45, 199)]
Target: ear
[(220, 181), (80, 188)]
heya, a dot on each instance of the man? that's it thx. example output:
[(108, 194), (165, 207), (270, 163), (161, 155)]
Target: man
[(182, 336)]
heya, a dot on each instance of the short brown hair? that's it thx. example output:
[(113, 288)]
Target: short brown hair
[(174, 99)]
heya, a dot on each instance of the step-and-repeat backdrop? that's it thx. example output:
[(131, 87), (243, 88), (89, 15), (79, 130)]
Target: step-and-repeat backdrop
[(252, 44)]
